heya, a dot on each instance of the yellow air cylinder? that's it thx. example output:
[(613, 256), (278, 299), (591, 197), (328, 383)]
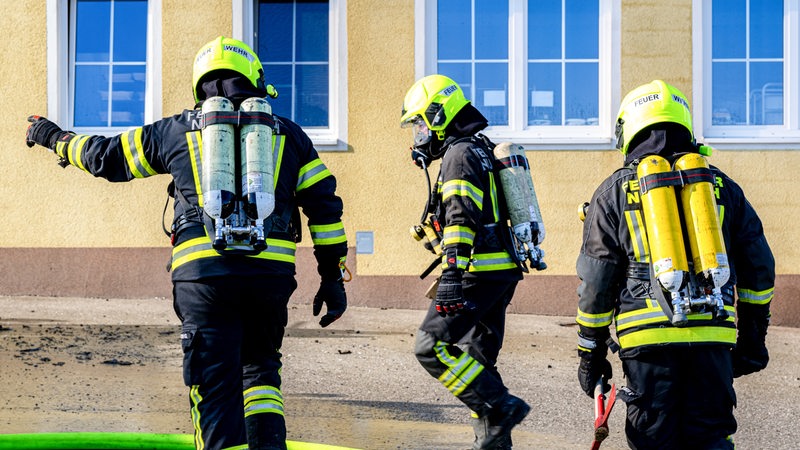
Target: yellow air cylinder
[(257, 164), (219, 171), (663, 225), (702, 224)]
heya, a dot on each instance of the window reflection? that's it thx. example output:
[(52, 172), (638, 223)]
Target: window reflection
[(293, 44), (747, 62), (109, 63)]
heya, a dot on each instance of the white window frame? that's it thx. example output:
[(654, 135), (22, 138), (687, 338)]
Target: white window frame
[(600, 137), (786, 136), (334, 136), (60, 71)]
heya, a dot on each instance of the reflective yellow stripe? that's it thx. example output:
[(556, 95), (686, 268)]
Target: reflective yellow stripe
[(641, 251), (196, 398), (485, 262), (667, 335), (457, 234), (461, 371), (134, 154), (328, 234), (75, 151), (463, 188), (654, 314), (493, 193), (461, 262), (195, 141), (594, 320), (200, 247), (263, 399), (137, 138), (311, 173), (756, 297), (278, 142)]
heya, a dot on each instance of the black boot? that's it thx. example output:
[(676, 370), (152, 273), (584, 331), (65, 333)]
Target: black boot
[(502, 418)]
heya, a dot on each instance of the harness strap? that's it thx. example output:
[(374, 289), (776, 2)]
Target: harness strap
[(238, 118), (514, 161), (675, 178)]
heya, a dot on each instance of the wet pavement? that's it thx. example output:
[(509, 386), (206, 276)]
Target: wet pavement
[(74, 364)]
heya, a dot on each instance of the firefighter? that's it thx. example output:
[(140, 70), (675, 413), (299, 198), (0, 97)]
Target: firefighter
[(680, 375), (479, 274), (233, 307)]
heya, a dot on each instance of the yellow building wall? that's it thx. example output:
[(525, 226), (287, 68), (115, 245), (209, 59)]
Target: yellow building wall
[(45, 206)]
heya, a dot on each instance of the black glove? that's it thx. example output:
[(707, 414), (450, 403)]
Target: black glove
[(747, 359), (750, 354), (449, 295), (590, 370), (331, 293), (592, 349), (43, 132)]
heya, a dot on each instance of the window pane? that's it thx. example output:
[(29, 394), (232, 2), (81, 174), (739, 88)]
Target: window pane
[(296, 33), (280, 76), (491, 31), (92, 30), (275, 34), (728, 29), (766, 93), (91, 96), (582, 28), (729, 93), (766, 29), (582, 94), (127, 99), (544, 29), (454, 29), (312, 31), (312, 96), (491, 92), (544, 85), (130, 26), (461, 73)]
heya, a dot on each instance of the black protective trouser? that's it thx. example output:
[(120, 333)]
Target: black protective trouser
[(680, 398), (231, 334), (461, 350)]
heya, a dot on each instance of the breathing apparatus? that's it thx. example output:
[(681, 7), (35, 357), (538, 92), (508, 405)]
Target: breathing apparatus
[(238, 173), (678, 205), (522, 204)]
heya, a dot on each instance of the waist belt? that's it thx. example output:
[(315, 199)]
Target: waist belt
[(638, 271)]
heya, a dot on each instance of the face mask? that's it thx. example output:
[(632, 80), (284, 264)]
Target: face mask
[(422, 134)]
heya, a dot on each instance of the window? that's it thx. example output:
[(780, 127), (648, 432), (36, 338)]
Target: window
[(540, 70), (100, 65), (746, 71), (302, 47)]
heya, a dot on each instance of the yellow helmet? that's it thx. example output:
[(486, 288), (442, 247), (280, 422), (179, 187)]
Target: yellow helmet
[(435, 100), (649, 104), (230, 54)]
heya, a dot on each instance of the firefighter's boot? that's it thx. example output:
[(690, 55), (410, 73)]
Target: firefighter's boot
[(481, 426), (502, 418)]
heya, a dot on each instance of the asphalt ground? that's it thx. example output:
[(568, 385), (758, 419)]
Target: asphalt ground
[(114, 365)]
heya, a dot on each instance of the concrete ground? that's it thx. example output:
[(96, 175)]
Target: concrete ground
[(81, 364)]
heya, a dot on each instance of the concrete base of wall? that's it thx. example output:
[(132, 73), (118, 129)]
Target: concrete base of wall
[(141, 273)]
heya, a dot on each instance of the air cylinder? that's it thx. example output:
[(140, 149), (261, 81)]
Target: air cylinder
[(258, 185), (663, 225), (219, 165)]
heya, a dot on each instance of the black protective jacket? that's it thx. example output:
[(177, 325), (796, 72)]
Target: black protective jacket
[(174, 146), (472, 211), (614, 245)]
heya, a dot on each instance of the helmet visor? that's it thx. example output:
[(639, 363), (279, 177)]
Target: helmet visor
[(422, 134)]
